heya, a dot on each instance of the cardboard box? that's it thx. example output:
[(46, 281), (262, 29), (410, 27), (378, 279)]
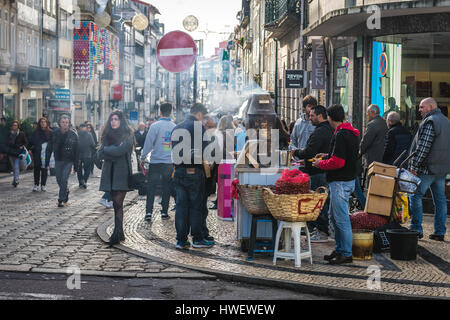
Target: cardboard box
[(381, 168), (378, 205), (381, 186)]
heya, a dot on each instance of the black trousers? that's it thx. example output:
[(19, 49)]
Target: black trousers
[(40, 174)]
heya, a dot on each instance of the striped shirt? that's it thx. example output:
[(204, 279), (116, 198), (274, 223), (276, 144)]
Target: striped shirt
[(426, 137)]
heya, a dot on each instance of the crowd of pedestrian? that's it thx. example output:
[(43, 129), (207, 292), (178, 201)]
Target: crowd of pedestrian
[(324, 136), (327, 146)]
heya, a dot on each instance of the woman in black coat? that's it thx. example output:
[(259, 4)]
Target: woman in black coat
[(115, 151), (14, 145), (38, 145)]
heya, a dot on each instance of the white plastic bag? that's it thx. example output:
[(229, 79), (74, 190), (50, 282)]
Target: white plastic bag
[(408, 185), (52, 161), (25, 159)]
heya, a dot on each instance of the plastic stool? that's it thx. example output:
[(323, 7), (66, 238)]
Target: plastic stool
[(253, 230), (296, 254)]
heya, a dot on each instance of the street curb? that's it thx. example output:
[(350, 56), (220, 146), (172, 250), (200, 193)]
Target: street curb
[(321, 290), (109, 274)]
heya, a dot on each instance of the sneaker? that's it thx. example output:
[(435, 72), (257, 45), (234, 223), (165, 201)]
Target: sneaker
[(209, 238), (35, 188), (183, 245), (43, 189), (148, 216), (165, 216), (15, 184), (60, 204), (103, 202), (109, 204), (319, 237), (203, 244), (436, 237)]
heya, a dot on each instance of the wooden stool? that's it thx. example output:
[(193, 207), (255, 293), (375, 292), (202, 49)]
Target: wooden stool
[(289, 229), (253, 230)]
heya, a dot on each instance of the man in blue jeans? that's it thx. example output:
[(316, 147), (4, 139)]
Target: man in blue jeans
[(189, 179), (340, 168), (431, 164), (318, 142), (158, 143)]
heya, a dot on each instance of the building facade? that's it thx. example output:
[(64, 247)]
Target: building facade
[(389, 53)]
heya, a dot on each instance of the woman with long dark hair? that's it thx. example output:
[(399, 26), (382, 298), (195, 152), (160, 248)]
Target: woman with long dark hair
[(116, 147), (42, 135)]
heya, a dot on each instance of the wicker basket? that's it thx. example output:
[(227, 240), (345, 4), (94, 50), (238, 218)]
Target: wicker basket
[(252, 199), (295, 207)]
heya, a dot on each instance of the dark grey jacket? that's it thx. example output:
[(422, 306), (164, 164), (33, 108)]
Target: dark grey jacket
[(116, 166), (86, 145), (372, 144), (438, 160)]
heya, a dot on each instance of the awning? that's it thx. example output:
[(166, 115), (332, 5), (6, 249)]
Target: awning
[(339, 22)]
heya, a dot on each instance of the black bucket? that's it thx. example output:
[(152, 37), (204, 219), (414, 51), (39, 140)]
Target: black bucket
[(403, 244)]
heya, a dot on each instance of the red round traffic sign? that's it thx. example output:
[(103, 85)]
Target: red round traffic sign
[(176, 51)]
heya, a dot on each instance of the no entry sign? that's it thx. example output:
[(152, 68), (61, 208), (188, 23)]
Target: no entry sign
[(176, 51)]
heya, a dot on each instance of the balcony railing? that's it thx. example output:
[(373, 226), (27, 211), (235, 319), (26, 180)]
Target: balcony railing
[(277, 9)]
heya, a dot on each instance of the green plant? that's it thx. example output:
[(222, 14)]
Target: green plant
[(27, 127)]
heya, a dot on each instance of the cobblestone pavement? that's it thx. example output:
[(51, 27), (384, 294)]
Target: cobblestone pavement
[(426, 276), (37, 236)]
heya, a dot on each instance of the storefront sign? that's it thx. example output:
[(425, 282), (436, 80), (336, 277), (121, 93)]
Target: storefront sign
[(117, 92), (62, 94), (59, 105), (133, 116), (295, 79), (78, 105), (318, 65)]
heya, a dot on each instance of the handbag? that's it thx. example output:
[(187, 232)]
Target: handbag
[(25, 160), (98, 158), (136, 181)]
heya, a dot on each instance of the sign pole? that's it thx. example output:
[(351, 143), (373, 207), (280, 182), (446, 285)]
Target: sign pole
[(195, 81), (178, 102)]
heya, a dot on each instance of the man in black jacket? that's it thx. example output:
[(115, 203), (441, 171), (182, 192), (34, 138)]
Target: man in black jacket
[(86, 146), (318, 142), (397, 140), (64, 144), (340, 165), (140, 136)]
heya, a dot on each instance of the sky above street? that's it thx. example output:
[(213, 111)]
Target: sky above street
[(213, 16)]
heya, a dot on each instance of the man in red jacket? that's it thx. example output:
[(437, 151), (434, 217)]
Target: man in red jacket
[(340, 167)]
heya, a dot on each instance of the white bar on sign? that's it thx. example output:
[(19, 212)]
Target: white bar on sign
[(176, 52)]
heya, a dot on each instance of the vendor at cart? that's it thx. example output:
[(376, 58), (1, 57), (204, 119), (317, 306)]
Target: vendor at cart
[(318, 142), (340, 167)]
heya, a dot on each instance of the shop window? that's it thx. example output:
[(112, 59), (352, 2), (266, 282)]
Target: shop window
[(9, 105), (31, 108), (341, 77), (418, 66), (386, 74)]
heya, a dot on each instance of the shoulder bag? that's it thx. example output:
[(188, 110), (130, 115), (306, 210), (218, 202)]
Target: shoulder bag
[(135, 180)]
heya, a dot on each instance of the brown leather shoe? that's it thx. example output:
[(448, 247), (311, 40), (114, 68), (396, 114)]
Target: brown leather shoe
[(340, 259), (331, 256)]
